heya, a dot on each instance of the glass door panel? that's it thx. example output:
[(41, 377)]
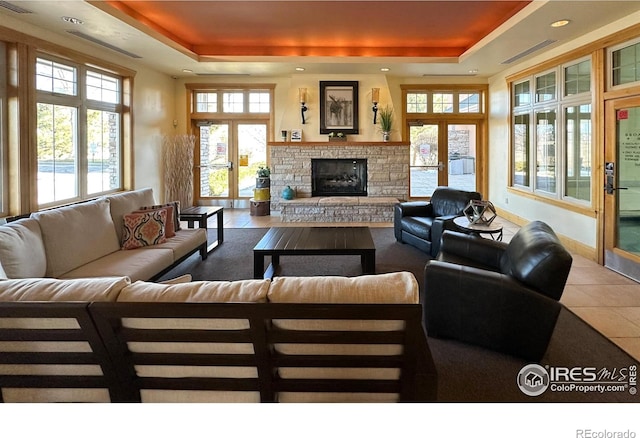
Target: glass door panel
[(622, 187), (252, 153), (628, 193), (424, 162), (461, 151), (215, 164)]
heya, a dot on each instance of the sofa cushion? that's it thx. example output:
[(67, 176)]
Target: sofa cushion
[(242, 291), (137, 264), (396, 287), (125, 203), (52, 289), (536, 257), (183, 242), (22, 252), (77, 234), (3, 275), (144, 229)]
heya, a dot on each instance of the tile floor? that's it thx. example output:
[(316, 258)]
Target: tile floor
[(606, 300)]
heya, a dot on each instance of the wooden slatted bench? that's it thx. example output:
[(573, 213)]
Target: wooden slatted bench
[(266, 352)]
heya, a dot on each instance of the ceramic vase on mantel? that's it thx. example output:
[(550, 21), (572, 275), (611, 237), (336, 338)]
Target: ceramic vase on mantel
[(386, 136)]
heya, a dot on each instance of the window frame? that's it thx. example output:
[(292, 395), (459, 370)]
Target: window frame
[(81, 102), (609, 66), (558, 104), (4, 126)]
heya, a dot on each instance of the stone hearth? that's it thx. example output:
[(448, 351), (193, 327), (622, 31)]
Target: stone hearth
[(338, 209)]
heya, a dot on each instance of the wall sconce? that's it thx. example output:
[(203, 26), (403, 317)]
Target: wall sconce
[(302, 94), (375, 98)]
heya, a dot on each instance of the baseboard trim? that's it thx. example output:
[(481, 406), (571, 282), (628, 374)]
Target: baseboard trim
[(572, 245)]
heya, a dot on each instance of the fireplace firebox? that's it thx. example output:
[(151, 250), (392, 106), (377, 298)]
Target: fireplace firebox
[(338, 177)]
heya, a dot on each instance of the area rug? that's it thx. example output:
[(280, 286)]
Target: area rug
[(466, 373)]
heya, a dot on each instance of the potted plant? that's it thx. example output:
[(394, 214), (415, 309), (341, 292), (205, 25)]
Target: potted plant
[(264, 177), (386, 122), (339, 136)]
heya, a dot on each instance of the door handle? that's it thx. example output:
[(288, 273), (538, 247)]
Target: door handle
[(230, 165)]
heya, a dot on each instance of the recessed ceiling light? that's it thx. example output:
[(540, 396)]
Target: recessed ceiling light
[(560, 23), (300, 69), (473, 71), (73, 20), (186, 70), (385, 69)]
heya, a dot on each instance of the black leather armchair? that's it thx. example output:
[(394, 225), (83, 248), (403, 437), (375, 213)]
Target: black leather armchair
[(496, 295), (421, 223)]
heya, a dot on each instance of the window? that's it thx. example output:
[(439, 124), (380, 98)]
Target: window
[(79, 131), (521, 150), (416, 102), (469, 102), (546, 151), (233, 102), (546, 87), (577, 78), (551, 142), (577, 130), (444, 102), (625, 64), (522, 94), (206, 102)]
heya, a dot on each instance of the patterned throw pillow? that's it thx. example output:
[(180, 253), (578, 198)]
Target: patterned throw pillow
[(170, 227), (176, 212), (144, 229)]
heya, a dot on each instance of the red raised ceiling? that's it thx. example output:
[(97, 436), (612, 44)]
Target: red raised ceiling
[(323, 28)]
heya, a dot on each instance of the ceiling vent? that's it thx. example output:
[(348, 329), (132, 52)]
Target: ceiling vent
[(426, 75), (103, 44), (529, 51), (14, 8), (223, 74)]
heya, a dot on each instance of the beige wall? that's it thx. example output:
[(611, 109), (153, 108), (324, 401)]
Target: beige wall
[(287, 106), (153, 112)]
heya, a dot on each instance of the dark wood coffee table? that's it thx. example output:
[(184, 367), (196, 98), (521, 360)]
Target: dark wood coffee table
[(301, 241)]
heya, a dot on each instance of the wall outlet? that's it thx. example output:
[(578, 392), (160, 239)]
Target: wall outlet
[(506, 200)]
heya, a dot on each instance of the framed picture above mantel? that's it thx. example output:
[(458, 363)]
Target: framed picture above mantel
[(339, 107)]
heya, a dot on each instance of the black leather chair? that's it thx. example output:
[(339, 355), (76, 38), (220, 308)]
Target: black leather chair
[(500, 296), (421, 223)]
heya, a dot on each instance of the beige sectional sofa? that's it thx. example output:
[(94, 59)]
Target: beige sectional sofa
[(294, 339), (85, 240)]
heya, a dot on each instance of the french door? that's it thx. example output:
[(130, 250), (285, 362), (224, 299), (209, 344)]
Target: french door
[(443, 153), (622, 187), (227, 156)]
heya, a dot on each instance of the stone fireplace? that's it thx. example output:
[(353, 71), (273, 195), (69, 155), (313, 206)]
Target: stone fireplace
[(338, 177), (387, 180)]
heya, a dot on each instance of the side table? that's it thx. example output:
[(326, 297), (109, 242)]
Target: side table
[(494, 229), (201, 214)]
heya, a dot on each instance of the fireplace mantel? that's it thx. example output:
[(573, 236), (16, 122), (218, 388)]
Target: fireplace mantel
[(338, 143)]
